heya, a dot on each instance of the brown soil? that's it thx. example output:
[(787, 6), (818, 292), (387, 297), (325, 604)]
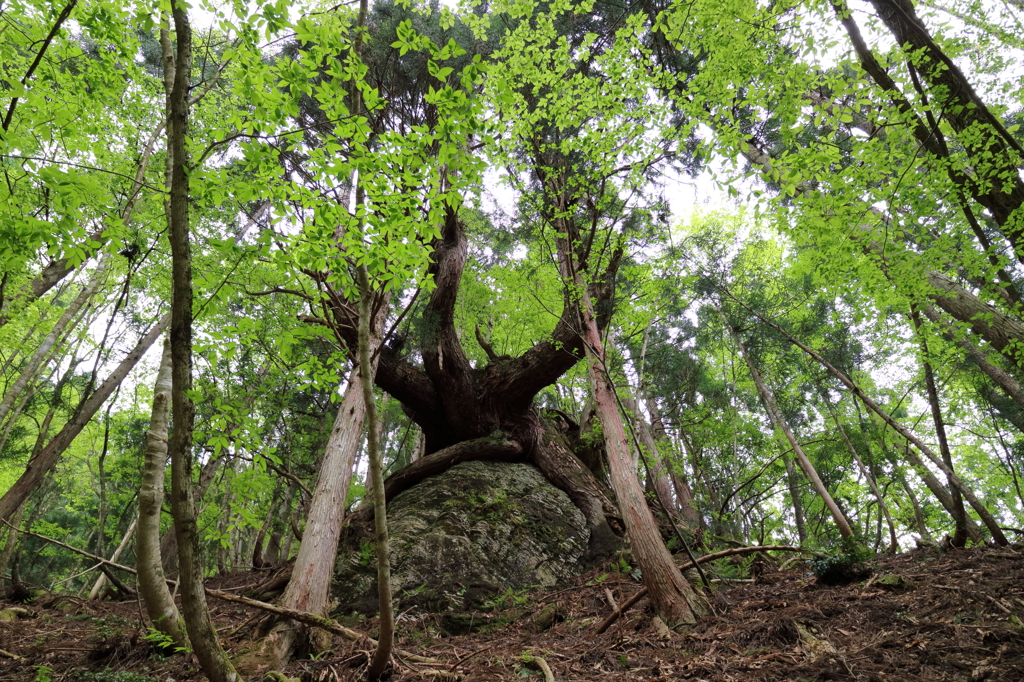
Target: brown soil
[(955, 616)]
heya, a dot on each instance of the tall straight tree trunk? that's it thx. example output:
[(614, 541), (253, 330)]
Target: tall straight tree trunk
[(201, 633), (688, 511), (894, 544), (793, 482), (922, 527), (163, 614), (309, 587), (673, 597), (982, 511), (33, 363), (959, 538), (780, 423), (39, 465), (257, 546), (385, 642), (659, 481)]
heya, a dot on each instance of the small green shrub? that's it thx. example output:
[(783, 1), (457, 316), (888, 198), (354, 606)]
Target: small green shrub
[(844, 566)]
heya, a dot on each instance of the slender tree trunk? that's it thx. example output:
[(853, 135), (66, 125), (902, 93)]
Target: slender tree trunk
[(31, 365), (39, 465), (163, 614), (777, 418), (793, 481), (385, 642), (257, 546), (308, 589), (272, 552), (986, 516), (12, 540), (659, 481), (688, 511), (201, 633), (959, 538), (894, 544), (922, 527)]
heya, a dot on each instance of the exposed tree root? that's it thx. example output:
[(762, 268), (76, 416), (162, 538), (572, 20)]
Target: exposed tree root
[(540, 664), (313, 621)]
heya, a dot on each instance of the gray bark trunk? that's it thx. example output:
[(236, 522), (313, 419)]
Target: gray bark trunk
[(163, 614)]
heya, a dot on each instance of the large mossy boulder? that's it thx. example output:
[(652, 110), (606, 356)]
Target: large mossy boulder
[(462, 538)]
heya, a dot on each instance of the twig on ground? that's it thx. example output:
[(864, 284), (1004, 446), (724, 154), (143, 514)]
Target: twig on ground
[(614, 616), (465, 658), (611, 599)]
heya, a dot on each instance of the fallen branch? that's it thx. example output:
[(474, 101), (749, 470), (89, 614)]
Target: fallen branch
[(13, 657), (125, 590), (312, 621), (100, 560), (614, 615)]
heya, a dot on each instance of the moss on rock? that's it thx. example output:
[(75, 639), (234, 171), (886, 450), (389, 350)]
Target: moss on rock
[(459, 538)]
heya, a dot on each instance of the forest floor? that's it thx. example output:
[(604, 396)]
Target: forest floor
[(923, 615)]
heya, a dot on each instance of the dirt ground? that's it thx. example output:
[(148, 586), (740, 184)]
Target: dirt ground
[(924, 615)]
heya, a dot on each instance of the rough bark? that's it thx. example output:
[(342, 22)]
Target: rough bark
[(201, 633), (160, 607), (39, 465), (674, 599), (308, 589)]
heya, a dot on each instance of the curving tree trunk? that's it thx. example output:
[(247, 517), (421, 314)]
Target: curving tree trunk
[(153, 590)]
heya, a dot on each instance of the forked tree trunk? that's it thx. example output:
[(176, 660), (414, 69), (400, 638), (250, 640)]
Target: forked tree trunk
[(163, 614)]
